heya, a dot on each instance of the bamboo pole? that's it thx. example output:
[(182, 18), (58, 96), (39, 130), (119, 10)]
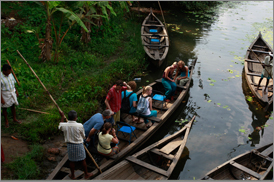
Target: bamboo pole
[(163, 19), (92, 159), (261, 62), (34, 111), (14, 74), (57, 106), (41, 83)]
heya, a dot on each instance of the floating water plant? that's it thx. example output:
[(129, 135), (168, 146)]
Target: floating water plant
[(209, 101), (242, 130), (249, 98)]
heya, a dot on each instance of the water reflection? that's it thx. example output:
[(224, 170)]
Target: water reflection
[(259, 118), (181, 164)]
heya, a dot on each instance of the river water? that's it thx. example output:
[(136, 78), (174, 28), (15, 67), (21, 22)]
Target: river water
[(225, 118)]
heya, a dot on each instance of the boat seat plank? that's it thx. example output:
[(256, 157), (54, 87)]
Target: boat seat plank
[(65, 170), (152, 25), (152, 45), (157, 151), (260, 46), (151, 118), (77, 173), (254, 74), (254, 50), (252, 61), (178, 86), (167, 149), (157, 55), (146, 165), (148, 34), (267, 151), (57, 168), (245, 169)]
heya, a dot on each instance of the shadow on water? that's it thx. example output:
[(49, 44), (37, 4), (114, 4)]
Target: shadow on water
[(259, 118)]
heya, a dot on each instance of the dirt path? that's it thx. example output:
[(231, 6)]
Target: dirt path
[(17, 148)]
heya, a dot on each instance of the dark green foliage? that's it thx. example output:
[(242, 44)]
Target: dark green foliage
[(83, 76)]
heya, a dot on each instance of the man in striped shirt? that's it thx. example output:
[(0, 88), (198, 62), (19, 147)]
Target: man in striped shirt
[(9, 94), (114, 100)]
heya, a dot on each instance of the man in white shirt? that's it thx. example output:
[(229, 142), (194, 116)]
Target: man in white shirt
[(74, 134), (9, 94)]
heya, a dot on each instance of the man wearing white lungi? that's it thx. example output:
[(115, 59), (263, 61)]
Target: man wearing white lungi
[(74, 134), (9, 94), (267, 70)]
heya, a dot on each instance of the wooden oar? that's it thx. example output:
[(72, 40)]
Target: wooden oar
[(92, 159), (56, 105), (41, 83), (13, 73), (261, 62), (34, 111)]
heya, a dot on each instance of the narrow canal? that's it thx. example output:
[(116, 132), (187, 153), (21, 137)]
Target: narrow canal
[(219, 97)]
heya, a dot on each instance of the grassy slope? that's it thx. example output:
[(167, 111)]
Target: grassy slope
[(83, 75)]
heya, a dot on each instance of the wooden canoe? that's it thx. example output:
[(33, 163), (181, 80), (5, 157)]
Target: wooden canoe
[(143, 134), (154, 39), (253, 165), (258, 49), (155, 162)]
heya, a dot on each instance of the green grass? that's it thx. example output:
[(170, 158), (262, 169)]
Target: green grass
[(26, 167)]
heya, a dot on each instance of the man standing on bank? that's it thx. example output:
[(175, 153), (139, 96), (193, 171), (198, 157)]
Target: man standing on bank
[(9, 94), (74, 134)]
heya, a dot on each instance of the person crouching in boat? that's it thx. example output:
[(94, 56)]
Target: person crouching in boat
[(144, 107), (168, 82), (74, 134), (267, 71), (105, 137), (181, 76)]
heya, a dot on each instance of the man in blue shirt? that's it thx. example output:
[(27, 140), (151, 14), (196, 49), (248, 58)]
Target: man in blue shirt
[(95, 123)]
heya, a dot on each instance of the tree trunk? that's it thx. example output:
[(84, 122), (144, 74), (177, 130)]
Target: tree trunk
[(46, 47), (86, 35)]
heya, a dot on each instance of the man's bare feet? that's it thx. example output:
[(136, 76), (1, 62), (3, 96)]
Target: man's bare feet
[(71, 177), (88, 175), (7, 124)]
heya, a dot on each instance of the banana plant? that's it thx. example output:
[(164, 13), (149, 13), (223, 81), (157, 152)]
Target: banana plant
[(94, 11), (51, 7)]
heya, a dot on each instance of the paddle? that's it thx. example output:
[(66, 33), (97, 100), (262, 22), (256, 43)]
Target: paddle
[(92, 159), (13, 73), (41, 83)]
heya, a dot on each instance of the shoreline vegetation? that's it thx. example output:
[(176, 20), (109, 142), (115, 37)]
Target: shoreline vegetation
[(76, 67)]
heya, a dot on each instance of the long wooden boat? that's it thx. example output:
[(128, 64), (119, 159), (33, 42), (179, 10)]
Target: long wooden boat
[(253, 165), (143, 134), (258, 49), (154, 39), (155, 162)]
